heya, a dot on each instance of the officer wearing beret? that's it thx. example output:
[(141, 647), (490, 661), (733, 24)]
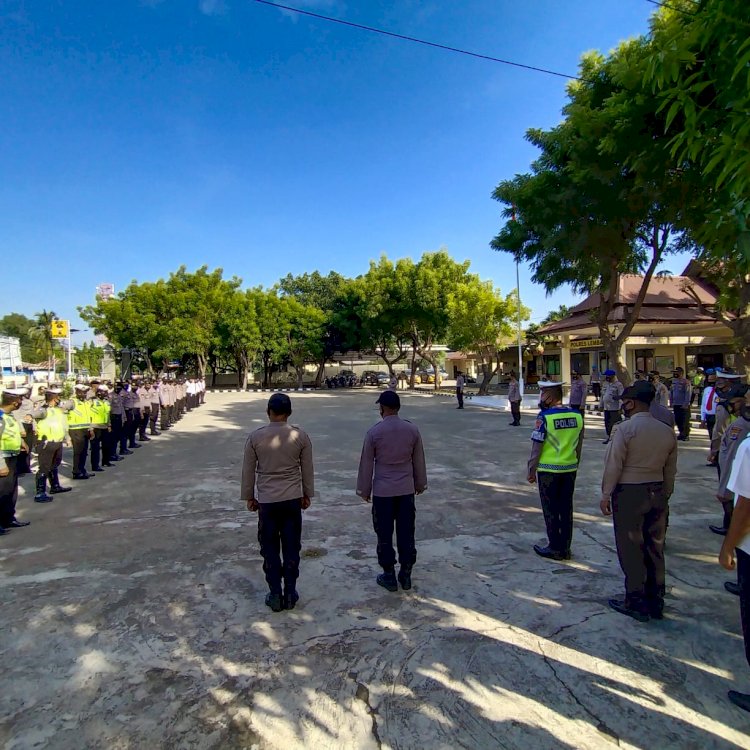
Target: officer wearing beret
[(392, 471), (556, 444), (639, 472)]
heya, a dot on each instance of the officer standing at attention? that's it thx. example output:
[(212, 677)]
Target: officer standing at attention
[(680, 395), (23, 416), (100, 416), (639, 472), (278, 482), (80, 431), (144, 404), (153, 393), (708, 404), (52, 434), (117, 420), (460, 381), (392, 471), (737, 542), (611, 401), (736, 432), (514, 399), (578, 388), (11, 445), (724, 382), (556, 444)]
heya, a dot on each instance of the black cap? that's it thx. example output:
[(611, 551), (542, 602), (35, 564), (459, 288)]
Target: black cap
[(641, 390), (389, 399), (280, 403)]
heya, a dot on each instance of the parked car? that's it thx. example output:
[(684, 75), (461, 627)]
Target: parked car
[(470, 380), (383, 378), (370, 377)]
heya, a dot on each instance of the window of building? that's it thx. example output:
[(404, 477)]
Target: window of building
[(665, 365), (581, 363), (644, 360), (552, 365)]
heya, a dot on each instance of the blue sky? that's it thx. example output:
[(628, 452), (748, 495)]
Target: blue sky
[(139, 135)]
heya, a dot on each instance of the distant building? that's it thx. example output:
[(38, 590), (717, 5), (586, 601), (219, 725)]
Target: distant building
[(104, 292), (10, 355)]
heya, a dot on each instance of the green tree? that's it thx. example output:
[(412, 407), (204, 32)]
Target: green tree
[(238, 332), (274, 327), (482, 321), (40, 335), (380, 310), (581, 217), (304, 334), (17, 326)]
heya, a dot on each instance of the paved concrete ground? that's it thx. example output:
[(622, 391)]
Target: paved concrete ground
[(134, 618)]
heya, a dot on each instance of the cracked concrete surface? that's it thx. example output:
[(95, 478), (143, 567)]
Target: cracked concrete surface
[(134, 616)]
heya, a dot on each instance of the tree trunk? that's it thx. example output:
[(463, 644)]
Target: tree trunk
[(319, 374), (487, 375), (412, 378), (300, 376)]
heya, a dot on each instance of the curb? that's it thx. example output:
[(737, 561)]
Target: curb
[(260, 390)]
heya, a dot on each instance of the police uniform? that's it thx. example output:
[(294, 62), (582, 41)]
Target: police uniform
[(514, 399), (11, 444), (153, 393), (100, 423), (277, 475), (556, 449), (23, 416), (610, 401), (460, 380), (144, 404), (131, 402), (52, 433), (392, 470), (724, 382), (680, 395), (118, 437), (79, 429), (639, 472)]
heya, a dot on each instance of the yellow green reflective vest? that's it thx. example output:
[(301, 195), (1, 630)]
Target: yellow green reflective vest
[(10, 440), (99, 409), (53, 426), (558, 429), (79, 417)]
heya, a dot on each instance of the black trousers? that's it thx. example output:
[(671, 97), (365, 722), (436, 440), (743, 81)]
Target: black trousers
[(280, 533), (596, 389), (24, 458), (145, 419), (710, 422), (9, 492), (400, 511), (682, 420), (117, 436), (640, 514), (556, 495), (49, 454), (515, 410), (80, 440), (611, 418), (460, 397), (154, 416), (743, 578), (100, 448)]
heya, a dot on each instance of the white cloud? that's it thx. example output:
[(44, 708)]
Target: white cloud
[(213, 7)]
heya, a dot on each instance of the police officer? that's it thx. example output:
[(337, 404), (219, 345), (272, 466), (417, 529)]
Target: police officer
[(708, 405), (610, 401), (680, 395), (144, 404), (278, 482), (578, 389), (460, 382), (514, 399), (23, 416), (131, 402), (52, 434), (556, 444), (11, 445), (662, 392), (164, 403), (737, 430), (100, 424), (392, 471), (117, 419), (153, 393), (639, 472), (80, 431), (724, 382)]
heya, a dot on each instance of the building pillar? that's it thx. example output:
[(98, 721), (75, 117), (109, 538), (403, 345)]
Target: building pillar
[(565, 368)]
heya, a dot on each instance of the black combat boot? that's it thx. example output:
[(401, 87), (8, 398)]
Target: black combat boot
[(728, 507), (387, 579), (274, 600), (54, 483), (404, 578), (41, 489)]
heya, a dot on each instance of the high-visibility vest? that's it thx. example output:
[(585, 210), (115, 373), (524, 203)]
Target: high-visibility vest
[(79, 417), (99, 409), (53, 426), (562, 429), (10, 440)]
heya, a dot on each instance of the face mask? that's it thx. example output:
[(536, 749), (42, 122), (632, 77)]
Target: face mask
[(628, 410)]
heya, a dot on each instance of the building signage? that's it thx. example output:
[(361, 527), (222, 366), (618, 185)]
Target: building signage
[(586, 344)]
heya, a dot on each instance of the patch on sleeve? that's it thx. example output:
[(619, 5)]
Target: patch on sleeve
[(540, 431)]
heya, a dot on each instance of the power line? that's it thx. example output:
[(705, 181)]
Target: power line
[(673, 7), (417, 41)]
